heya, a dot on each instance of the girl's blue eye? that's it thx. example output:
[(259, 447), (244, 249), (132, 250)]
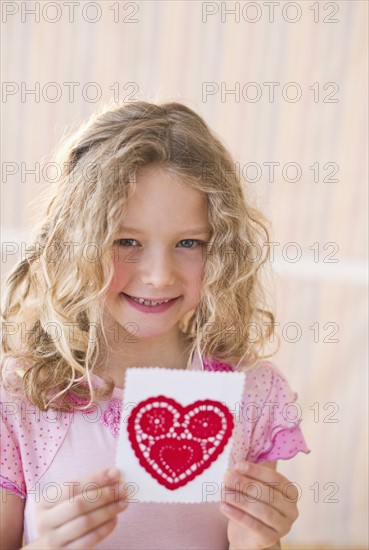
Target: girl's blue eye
[(123, 242), (190, 241)]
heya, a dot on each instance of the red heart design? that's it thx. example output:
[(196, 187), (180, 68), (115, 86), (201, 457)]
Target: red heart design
[(174, 443)]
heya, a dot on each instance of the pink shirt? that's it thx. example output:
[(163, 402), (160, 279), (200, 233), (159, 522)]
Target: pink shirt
[(42, 450)]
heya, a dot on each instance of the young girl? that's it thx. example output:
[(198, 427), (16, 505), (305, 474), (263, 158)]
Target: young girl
[(147, 209)]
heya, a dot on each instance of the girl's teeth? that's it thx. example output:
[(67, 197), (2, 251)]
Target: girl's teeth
[(148, 303)]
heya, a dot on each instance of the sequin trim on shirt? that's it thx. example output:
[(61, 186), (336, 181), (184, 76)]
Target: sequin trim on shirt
[(111, 416)]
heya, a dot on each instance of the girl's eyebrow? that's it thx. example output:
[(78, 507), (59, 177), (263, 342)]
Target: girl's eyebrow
[(194, 230)]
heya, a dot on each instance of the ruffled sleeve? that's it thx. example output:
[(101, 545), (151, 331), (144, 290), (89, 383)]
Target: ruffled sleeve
[(269, 429)]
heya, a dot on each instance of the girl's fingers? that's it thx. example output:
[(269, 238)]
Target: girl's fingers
[(88, 526), (266, 535), (93, 498), (78, 486), (266, 515), (266, 491), (263, 474), (91, 539)]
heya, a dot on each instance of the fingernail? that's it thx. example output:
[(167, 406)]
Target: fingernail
[(113, 473)]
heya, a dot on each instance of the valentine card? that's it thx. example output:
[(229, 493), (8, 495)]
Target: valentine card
[(176, 432)]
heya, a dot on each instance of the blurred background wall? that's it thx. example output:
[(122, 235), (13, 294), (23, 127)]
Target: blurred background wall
[(284, 84)]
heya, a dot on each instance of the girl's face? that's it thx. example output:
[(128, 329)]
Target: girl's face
[(158, 255)]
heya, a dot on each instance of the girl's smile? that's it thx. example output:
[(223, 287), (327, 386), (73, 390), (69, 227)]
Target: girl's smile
[(150, 306)]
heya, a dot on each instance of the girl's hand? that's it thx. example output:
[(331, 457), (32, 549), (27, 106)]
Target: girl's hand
[(260, 504), (85, 514)]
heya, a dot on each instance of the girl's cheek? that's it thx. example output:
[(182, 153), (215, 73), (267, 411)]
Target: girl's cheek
[(121, 275)]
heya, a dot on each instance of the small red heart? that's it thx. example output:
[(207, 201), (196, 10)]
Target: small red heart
[(174, 444)]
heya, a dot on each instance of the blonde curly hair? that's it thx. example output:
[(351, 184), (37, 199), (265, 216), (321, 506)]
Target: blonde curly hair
[(98, 169)]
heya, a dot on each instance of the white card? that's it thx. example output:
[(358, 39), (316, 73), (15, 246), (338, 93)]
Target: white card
[(157, 439)]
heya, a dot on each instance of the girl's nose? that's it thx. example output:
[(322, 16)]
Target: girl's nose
[(157, 269)]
